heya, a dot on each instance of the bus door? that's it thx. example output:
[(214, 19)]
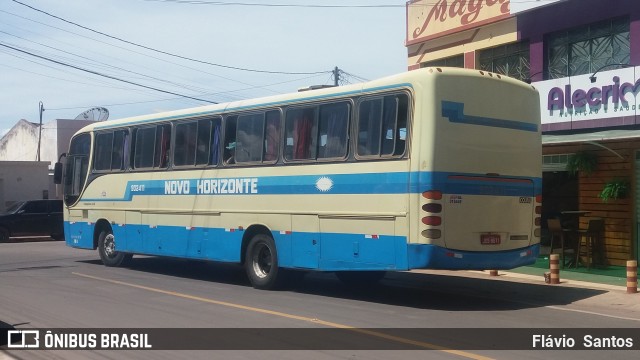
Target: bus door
[(485, 213)]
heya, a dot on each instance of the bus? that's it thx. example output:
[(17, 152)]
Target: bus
[(437, 168)]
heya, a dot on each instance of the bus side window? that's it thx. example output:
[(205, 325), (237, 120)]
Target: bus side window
[(250, 135), (185, 144), (163, 142), (117, 158), (230, 140), (215, 142), (144, 146), (382, 126), (103, 150), (203, 142), (272, 136), (302, 129), (389, 116), (403, 118), (369, 127), (333, 127)]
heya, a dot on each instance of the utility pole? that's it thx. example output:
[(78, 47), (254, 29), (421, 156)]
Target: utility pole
[(41, 109), (336, 76)]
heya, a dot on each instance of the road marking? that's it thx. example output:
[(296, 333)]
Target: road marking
[(293, 317), (591, 313)]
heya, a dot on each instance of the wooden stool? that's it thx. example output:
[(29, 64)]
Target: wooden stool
[(590, 236)]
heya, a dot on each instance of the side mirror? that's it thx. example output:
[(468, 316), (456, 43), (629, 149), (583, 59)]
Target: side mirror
[(57, 173)]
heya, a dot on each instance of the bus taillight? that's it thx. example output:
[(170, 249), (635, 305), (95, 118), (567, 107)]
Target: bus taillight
[(432, 195), (432, 233), (432, 220), (432, 217), (432, 208)]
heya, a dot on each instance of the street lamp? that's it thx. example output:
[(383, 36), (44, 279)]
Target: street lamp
[(622, 65)]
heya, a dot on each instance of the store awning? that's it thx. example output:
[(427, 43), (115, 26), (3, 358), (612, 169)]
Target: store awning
[(590, 137)]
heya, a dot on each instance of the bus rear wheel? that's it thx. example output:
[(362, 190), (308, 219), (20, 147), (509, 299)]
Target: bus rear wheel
[(108, 253), (261, 263)]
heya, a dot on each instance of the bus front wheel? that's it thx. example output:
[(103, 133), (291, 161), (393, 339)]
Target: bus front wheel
[(108, 253), (261, 262)]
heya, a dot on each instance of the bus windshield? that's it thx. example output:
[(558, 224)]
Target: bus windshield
[(76, 169)]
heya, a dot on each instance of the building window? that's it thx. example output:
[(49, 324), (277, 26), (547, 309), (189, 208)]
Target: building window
[(454, 61), (510, 60), (585, 49)]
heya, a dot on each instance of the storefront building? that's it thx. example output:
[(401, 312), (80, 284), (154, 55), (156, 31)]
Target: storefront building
[(584, 58)]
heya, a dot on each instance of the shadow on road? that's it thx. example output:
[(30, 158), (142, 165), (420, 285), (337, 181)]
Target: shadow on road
[(27, 239), (408, 289)]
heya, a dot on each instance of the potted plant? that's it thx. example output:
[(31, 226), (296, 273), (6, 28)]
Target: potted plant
[(583, 161), (615, 189)]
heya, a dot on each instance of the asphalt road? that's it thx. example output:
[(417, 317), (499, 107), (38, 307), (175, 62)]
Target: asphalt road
[(46, 285)]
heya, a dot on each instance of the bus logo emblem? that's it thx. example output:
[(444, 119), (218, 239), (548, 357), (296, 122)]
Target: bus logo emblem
[(324, 184)]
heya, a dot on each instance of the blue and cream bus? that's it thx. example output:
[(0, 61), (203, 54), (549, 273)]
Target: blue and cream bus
[(438, 168)]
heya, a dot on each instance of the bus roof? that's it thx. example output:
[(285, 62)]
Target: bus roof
[(403, 80)]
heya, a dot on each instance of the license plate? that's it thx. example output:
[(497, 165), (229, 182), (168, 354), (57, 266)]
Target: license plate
[(490, 239)]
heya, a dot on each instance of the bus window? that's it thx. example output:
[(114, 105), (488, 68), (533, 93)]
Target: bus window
[(144, 146), (249, 135), (333, 128), (152, 147), (163, 141), (109, 152), (118, 155), (382, 126), (369, 124), (215, 142), (103, 151), (203, 141), (191, 145), (301, 127), (230, 140), (185, 144), (272, 136), (77, 166)]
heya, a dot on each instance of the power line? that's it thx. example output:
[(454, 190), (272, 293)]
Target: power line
[(342, 6), (173, 98), (105, 65), (139, 53), (165, 52), (202, 2), (105, 75)]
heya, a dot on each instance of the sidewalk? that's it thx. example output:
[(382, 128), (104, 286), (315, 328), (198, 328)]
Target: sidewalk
[(573, 277)]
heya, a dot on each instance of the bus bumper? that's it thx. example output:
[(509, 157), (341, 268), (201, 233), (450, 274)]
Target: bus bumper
[(434, 257)]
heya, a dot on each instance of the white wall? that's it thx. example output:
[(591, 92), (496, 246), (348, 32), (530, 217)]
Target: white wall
[(21, 142), (24, 180)]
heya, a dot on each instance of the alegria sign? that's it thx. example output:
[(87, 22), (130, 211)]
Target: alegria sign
[(613, 95)]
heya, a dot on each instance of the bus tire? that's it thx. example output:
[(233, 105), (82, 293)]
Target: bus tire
[(107, 250), (261, 263), (360, 278)]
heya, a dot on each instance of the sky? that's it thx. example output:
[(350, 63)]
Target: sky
[(74, 55)]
